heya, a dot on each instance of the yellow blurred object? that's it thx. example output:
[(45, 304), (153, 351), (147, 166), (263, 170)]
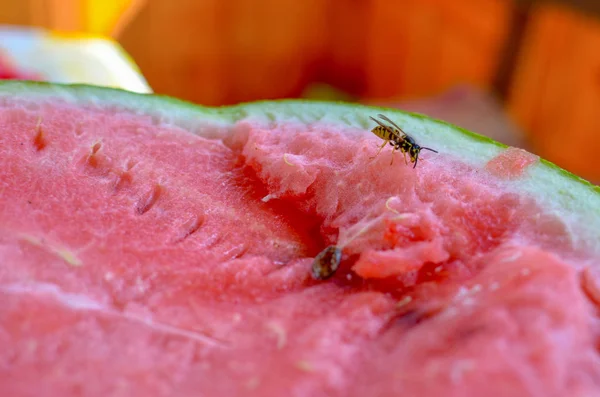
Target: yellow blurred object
[(109, 17), (71, 58), (102, 15), (105, 17)]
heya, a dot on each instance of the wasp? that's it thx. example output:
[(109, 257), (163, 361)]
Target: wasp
[(398, 139)]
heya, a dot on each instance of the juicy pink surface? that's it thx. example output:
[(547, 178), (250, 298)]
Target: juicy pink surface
[(511, 163), (142, 260)]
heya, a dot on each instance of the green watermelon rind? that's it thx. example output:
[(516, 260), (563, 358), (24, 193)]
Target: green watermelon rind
[(573, 199)]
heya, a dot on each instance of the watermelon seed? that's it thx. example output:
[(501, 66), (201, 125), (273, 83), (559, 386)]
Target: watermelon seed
[(362, 231), (305, 366), (148, 200), (253, 383), (123, 179), (326, 263), (93, 160), (404, 301), (170, 330), (279, 332), (235, 252), (32, 240), (590, 285), (412, 317), (39, 141), (68, 257), (285, 160), (387, 205), (511, 258), (130, 165), (79, 129), (268, 197), (95, 147), (189, 227)]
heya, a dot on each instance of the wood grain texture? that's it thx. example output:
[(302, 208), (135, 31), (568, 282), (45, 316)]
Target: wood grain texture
[(555, 94)]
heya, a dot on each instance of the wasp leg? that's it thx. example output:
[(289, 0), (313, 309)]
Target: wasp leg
[(405, 162), (379, 151), (393, 150), (381, 148)]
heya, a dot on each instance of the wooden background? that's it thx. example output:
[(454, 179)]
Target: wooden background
[(540, 58)]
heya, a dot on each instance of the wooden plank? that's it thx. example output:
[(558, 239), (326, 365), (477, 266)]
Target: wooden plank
[(420, 48), (178, 47), (15, 12), (521, 15), (584, 6), (555, 95)]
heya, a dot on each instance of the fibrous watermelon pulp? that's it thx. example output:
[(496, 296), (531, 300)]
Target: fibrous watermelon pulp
[(152, 248)]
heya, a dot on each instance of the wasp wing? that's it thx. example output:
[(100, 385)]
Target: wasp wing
[(387, 127), (385, 118)]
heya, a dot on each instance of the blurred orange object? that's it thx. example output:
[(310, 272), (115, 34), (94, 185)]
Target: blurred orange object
[(217, 52), (555, 95), (103, 17), (423, 47)]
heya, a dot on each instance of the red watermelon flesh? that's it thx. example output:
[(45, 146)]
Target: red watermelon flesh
[(140, 259)]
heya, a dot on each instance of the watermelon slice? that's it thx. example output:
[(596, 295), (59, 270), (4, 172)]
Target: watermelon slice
[(150, 247)]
